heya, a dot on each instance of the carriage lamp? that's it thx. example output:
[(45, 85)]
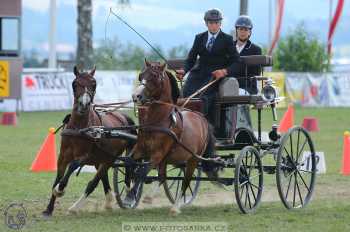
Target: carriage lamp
[(269, 92)]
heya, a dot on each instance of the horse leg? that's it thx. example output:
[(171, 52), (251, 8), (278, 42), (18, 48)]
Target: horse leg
[(58, 190), (148, 199), (74, 209), (108, 192), (61, 168), (139, 176), (190, 167)]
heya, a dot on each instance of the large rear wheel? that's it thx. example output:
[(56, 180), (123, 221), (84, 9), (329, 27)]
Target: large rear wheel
[(296, 168)]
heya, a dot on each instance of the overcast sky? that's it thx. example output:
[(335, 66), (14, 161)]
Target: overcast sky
[(171, 23)]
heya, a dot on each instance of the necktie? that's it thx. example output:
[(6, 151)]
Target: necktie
[(211, 43)]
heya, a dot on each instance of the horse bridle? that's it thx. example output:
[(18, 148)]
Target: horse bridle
[(91, 93), (155, 73)]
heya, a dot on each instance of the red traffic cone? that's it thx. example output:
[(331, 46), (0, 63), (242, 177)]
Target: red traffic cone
[(45, 160), (310, 124), (346, 154), (9, 119), (287, 120)]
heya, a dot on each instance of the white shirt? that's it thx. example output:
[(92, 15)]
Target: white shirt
[(211, 35), (240, 48)]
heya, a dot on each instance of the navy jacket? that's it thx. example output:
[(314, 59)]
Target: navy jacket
[(222, 55), (238, 69)]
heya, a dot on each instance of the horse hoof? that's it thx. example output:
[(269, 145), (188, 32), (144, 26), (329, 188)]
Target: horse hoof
[(147, 200), (108, 207), (46, 214), (174, 211)]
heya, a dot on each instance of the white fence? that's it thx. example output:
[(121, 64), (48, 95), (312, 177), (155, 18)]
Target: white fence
[(44, 91), (52, 90)]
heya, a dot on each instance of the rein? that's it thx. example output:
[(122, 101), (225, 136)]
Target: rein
[(199, 91)]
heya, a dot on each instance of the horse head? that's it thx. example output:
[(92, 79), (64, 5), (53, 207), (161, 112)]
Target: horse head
[(84, 87), (156, 84)]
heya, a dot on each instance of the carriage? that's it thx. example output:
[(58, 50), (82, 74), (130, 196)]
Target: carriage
[(241, 151)]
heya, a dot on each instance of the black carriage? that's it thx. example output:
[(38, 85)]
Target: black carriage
[(240, 148)]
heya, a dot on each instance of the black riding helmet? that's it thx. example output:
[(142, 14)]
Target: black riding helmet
[(244, 21), (213, 15)]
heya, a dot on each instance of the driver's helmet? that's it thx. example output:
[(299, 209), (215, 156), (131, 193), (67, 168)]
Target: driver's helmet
[(213, 15), (244, 21)]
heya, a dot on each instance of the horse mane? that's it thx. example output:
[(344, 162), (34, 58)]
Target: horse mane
[(175, 92)]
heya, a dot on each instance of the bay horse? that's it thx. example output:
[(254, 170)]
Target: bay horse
[(169, 134), (77, 150)]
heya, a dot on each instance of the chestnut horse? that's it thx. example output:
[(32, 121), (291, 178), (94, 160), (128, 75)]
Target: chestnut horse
[(78, 149), (169, 135)]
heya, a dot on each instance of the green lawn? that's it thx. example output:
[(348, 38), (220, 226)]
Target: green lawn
[(329, 210)]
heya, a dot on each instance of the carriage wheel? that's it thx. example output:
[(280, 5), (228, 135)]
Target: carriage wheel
[(248, 179), (119, 180), (172, 188), (295, 170)]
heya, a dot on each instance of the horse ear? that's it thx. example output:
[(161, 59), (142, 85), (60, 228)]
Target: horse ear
[(76, 71), (92, 72), (147, 64)]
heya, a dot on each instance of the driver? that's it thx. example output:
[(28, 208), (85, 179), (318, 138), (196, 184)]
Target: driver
[(216, 52), (245, 47)]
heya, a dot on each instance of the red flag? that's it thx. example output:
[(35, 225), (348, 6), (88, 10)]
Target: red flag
[(333, 25), (279, 15)]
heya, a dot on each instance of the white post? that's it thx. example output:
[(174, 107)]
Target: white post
[(269, 37), (52, 35)]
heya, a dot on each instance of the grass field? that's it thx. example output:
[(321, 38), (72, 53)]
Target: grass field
[(328, 211)]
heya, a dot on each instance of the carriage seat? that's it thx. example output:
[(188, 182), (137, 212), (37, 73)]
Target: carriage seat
[(261, 60)]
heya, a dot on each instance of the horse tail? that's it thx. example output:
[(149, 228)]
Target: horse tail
[(210, 149), (133, 131)]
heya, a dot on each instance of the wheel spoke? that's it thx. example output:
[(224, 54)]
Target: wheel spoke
[(244, 183), (250, 164), (254, 185), (121, 192), (307, 171), (177, 189), (302, 148), (250, 204), (189, 187), (171, 169), (251, 188), (172, 183), (301, 199), (301, 177), (246, 196), (297, 151), (257, 175), (290, 180), (291, 145), (121, 171), (295, 185), (242, 189)]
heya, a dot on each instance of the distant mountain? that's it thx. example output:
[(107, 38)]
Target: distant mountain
[(171, 23)]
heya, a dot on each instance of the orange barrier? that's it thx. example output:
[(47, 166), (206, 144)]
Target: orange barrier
[(346, 154), (45, 160), (287, 120)]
